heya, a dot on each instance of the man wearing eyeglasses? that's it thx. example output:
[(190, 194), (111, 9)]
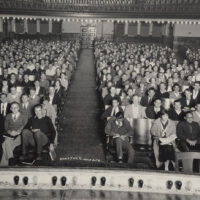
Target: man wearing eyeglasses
[(119, 128), (14, 124), (188, 133)]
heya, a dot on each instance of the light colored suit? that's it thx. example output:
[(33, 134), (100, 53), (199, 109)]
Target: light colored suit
[(196, 117), (129, 112), (34, 101)]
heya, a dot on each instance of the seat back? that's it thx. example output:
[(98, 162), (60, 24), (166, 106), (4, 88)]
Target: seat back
[(187, 159), (141, 131)]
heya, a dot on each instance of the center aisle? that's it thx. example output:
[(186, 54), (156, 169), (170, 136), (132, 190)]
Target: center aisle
[(81, 135)]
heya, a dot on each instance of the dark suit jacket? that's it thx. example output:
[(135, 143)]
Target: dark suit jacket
[(190, 131), (56, 100), (145, 101), (7, 109), (15, 84), (108, 111), (60, 93), (27, 86), (160, 95), (2, 121), (197, 99), (42, 92), (184, 103), (151, 114), (174, 116), (108, 99)]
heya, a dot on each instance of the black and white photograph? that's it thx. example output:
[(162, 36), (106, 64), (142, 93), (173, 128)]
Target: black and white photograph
[(99, 99)]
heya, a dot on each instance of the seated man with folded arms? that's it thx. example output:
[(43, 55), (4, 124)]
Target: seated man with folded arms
[(38, 132), (14, 124), (188, 133), (119, 128)]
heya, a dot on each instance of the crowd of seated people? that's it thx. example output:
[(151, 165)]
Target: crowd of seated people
[(147, 82), (34, 79)]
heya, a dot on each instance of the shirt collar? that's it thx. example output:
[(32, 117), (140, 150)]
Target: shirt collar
[(17, 115)]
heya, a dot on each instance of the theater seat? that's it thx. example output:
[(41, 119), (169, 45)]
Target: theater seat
[(187, 159), (110, 147)]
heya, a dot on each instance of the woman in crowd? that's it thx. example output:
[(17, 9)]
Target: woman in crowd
[(164, 134)]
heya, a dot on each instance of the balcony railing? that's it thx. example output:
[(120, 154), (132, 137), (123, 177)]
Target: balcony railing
[(95, 6)]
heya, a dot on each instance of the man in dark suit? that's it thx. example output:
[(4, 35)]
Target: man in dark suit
[(40, 91), (4, 105), (196, 93), (188, 132), (176, 113), (4, 110), (187, 102), (112, 110), (148, 99), (33, 98), (26, 107), (53, 98), (109, 97), (153, 112)]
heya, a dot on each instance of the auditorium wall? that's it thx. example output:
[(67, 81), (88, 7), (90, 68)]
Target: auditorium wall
[(156, 32), (73, 29), (32, 29), (105, 29), (186, 30), (186, 35)]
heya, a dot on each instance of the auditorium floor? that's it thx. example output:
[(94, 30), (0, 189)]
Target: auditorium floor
[(81, 138)]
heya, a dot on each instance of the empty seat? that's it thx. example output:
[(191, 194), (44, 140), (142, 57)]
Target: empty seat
[(187, 159)]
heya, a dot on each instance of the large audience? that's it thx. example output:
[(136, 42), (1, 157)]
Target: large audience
[(34, 79), (140, 82)]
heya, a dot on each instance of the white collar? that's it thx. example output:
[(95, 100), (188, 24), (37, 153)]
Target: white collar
[(17, 115)]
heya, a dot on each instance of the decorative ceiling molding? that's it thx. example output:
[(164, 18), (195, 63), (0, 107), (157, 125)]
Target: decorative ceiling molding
[(171, 14), (95, 20)]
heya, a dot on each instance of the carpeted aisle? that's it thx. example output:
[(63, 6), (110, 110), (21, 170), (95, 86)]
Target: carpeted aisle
[(81, 138)]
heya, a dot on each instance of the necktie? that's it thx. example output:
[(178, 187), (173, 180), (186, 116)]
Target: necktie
[(149, 99), (15, 117), (2, 109)]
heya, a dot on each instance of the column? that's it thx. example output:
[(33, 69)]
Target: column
[(50, 26), (13, 26), (1, 25), (126, 28), (102, 28), (166, 30), (25, 26), (150, 28), (138, 28), (38, 25), (1, 29), (9, 26)]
